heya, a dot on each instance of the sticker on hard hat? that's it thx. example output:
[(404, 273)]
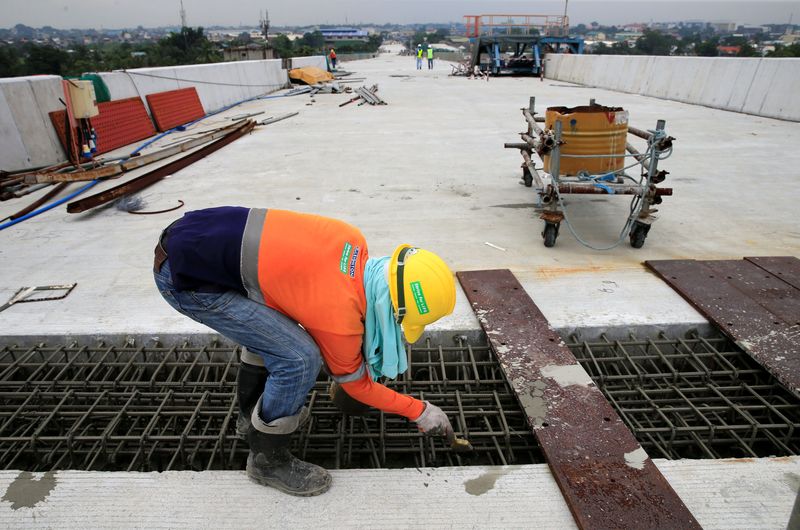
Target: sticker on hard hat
[(343, 261), (419, 298)]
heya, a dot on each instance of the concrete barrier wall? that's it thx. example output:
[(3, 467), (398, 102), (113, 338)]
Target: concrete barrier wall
[(315, 60), (217, 84), (759, 86), (27, 137), (345, 57)]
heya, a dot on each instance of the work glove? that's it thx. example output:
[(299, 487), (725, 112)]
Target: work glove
[(434, 421)]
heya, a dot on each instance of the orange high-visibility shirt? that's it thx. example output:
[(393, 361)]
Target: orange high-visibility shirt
[(311, 268)]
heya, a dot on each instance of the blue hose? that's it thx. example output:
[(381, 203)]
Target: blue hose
[(49, 206)]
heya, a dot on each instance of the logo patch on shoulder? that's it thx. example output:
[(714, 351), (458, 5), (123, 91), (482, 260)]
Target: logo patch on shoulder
[(353, 260), (343, 261)]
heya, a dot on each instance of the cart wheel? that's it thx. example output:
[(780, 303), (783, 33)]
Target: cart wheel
[(527, 178), (639, 234), (550, 234)]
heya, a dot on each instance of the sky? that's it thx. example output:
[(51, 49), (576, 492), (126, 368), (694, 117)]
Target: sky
[(154, 13)]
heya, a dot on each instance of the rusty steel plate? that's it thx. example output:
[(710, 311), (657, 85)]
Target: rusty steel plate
[(605, 476), (787, 268), (753, 307)]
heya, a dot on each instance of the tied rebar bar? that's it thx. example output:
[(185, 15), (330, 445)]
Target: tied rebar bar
[(107, 407), (694, 398)]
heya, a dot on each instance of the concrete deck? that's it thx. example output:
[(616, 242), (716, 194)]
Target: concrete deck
[(427, 169), (723, 494), (430, 169)]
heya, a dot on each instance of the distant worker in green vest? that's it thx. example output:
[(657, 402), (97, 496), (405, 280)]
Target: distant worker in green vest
[(419, 56), (333, 59), (430, 57)]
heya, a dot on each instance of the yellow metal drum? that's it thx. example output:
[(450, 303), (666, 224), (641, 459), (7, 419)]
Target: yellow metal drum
[(589, 130)]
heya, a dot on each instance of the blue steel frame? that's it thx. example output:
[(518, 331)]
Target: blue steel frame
[(493, 46)]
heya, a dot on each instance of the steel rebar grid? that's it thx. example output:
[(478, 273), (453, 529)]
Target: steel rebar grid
[(694, 397), (132, 408)]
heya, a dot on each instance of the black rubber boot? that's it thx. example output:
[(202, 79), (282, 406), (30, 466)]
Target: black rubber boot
[(250, 382), (271, 464)]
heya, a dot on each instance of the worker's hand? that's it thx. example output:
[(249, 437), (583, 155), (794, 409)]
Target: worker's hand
[(434, 421)]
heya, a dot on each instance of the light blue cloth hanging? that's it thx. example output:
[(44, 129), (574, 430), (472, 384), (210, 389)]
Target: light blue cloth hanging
[(383, 345)]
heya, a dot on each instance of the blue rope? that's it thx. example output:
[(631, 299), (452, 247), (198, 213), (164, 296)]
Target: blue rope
[(49, 206)]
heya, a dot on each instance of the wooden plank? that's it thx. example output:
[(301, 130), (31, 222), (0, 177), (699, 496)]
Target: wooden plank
[(770, 339), (605, 476)]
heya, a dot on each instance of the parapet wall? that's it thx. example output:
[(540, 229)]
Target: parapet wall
[(217, 84), (27, 138), (759, 86)]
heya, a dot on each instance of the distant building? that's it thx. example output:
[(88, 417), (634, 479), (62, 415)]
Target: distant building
[(627, 36), (724, 27), (344, 34), (251, 52), (790, 38), (729, 51)]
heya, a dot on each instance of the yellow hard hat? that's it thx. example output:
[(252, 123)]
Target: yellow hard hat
[(422, 289)]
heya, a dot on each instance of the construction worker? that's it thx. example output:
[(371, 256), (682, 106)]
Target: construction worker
[(430, 57), (419, 56), (299, 291), (332, 56)]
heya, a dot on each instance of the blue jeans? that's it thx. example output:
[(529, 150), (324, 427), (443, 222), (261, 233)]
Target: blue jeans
[(290, 355)]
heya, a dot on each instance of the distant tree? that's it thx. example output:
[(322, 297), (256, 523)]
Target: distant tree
[(793, 50), (314, 41), (618, 48), (282, 45), (190, 46), (707, 48), (10, 61), (655, 43), (45, 60), (747, 50)]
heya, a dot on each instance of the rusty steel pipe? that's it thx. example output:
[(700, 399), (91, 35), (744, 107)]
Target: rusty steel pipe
[(644, 135), (532, 170), (590, 189), (641, 158), (521, 146), (532, 122), (40, 201), (148, 179)]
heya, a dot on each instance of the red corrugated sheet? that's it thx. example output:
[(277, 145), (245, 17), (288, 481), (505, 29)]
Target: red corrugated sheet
[(175, 107), (119, 123)]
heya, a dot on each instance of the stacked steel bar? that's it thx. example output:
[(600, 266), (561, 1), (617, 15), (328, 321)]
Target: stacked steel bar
[(127, 408)]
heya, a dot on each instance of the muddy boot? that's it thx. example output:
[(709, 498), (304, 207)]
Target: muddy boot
[(271, 464), (250, 381)]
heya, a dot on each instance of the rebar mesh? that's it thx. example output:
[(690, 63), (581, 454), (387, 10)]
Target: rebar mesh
[(111, 407), (155, 409), (694, 398)]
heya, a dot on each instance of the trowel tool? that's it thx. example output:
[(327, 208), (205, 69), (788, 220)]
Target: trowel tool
[(459, 445)]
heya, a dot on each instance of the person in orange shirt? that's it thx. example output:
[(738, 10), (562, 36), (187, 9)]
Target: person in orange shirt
[(333, 59), (300, 291)]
